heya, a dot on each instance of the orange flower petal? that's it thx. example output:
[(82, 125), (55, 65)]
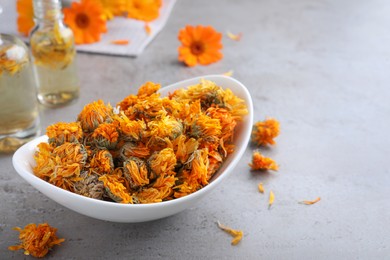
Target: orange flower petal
[(310, 202), (234, 37), (271, 199), (261, 188), (120, 42)]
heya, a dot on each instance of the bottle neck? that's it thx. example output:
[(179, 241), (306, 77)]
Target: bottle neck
[(47, 11)]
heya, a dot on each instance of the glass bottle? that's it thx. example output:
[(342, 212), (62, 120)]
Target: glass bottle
[(54, 53), (19, 117)]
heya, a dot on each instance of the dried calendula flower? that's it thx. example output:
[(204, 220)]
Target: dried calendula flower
[(60, 133), (94, 114), (115, 189), (310, 202), (101, 162), (265, 131), (37, 240), (89, 186), (260, 162), (136, 172), (12, 59), (236, 234), (106, 135)]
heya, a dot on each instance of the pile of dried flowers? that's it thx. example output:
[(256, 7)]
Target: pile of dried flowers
[(148, 149)]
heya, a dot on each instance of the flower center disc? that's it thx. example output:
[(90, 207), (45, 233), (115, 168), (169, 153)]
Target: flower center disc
[(197, 48), (82, 20)]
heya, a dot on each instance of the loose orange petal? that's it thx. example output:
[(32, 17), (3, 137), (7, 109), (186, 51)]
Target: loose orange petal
[(147, 28), (120, 42), (228, 73), (236, 234), (261, 188), (271, 199), (310, 202), (234, 37)]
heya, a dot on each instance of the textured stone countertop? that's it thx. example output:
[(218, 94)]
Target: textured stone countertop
[(322, 69)]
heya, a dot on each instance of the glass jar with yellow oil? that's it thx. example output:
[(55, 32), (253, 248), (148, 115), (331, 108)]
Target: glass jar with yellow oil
[(54, 54), (19, 117)]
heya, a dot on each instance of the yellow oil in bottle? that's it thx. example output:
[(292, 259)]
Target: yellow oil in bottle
[(57, 86), (19, 119)]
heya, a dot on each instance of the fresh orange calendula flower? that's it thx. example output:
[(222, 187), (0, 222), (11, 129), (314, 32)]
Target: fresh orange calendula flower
[(37, 240), (86, 19), (25, 12), (200, 44), (112, 8), (264, 132), (144, 10), (260, 162), (237, 234)]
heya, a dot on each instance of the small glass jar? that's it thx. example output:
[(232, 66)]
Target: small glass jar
[(54, 54), (19, 116)]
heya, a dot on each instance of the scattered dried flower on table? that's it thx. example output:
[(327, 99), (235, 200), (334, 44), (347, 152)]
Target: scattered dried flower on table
[(86, 20), (271, 198), (25, 12), (260, 162), (37, 240), (260, 187), (234, 37), (265, 131), (152, 149), (200, 44), (310, 202), (236, 234), (144, 10), (120, 42)]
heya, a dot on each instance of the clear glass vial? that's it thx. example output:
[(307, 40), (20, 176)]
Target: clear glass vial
[(19, 117), (54, 54)]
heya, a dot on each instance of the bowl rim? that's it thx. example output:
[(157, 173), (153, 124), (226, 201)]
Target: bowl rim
[(30, 177)]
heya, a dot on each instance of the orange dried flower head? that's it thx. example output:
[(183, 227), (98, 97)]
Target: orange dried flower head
[(60, 133), (94, 114), (144, 10), (265, 131), (136, 172), (25, 16), (162, 162), (101, 163), (148, 89), (133, 150), (115, 189), (200, 44), (165, 127), (86, 19), (260, 162), (131, 130), (106, 136), (37, 240), (69, 159)]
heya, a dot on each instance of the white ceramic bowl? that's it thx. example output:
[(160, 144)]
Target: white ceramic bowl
[(23, 161)]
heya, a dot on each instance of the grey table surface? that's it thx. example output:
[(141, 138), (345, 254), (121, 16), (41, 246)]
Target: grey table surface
[(322, 69)]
